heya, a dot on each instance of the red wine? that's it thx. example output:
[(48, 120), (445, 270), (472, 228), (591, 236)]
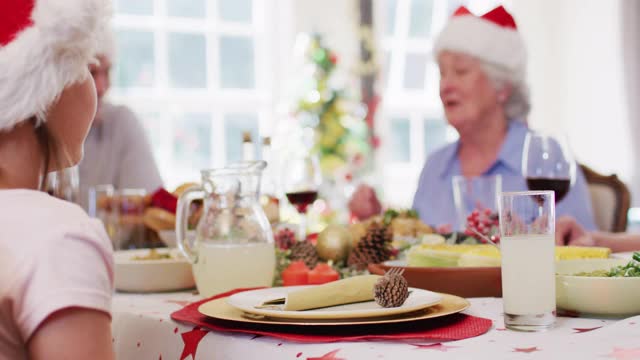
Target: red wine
[(302, 199), (559, 186)]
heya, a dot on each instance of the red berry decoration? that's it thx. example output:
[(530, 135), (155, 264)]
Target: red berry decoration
[(285, 238), (484, 221)]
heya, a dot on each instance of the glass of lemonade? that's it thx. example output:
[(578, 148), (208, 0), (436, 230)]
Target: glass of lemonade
[(527, 229)]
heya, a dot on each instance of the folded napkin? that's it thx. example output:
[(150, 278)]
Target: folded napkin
[(446, 328), (347, 291)]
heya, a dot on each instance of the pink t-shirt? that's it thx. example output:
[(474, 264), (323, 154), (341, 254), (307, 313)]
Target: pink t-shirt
[(52, 256)]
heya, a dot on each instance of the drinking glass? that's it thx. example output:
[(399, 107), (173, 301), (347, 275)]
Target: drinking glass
[(475, 193), (128, 209), (64, 184), (547, 164), (527, 246), (100, 201), (301, 182)]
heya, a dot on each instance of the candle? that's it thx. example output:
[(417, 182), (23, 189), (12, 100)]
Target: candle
[(296, 273), (323, 273)]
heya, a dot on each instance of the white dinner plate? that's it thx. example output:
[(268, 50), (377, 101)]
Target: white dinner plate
[(247, 301), (152, 275)]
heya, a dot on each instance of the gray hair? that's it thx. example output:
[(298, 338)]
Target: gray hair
[(518, 104)]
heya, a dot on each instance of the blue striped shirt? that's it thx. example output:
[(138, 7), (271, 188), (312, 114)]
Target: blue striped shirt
[(434, 197)]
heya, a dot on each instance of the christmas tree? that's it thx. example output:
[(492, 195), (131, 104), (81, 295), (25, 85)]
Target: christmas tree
[(342, 135)]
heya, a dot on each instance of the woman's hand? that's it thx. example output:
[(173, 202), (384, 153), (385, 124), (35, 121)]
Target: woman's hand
[(364, 203), (569, 232)]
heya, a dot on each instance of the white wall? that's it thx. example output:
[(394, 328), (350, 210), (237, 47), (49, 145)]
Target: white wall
[(577, 78)]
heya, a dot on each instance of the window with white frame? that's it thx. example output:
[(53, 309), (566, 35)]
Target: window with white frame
[(411, 121), (197, 73)]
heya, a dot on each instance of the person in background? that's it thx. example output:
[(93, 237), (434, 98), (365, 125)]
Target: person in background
[(56, 265), (117, 150), (570, 232), (482, 63)]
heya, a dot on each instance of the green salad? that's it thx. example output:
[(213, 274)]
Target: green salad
[(632, 269)]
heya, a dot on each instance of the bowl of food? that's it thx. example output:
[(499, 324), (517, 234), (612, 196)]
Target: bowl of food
[(152, 270), (467, 270), (604, 287)]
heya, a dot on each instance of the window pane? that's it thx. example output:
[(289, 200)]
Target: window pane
[(186, 8), (134, 7), (187, 60), (392, 5), (234, 126), (414, 71), (192, 141), (236, 62), (235, 10), (153, 128), (435, 135), (421, 13), (400, 145), (136, 64), (386, 68)]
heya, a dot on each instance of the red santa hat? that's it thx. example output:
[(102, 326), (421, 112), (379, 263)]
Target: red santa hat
[(492, 37), (45, 45)]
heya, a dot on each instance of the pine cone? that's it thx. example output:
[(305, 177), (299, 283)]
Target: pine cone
[(374, 247), (391, 290), (305, 251)]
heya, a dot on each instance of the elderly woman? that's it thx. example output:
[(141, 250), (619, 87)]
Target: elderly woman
[(482, 63)]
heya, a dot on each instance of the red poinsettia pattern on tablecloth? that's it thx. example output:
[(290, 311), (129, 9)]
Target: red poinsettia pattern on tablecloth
[(436, 346), (526, 350), (328, 356), (584, 330), (625, 354), (191, 340)]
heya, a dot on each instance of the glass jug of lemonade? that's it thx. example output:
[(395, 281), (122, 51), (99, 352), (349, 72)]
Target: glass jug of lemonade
[(233, 247)]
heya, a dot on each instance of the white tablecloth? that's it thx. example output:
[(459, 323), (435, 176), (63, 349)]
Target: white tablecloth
[(143, 329)]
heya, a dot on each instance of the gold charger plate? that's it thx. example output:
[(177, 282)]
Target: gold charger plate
[(219, 309)]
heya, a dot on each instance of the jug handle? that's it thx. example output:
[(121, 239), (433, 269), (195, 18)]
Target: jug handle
[(184, 201)]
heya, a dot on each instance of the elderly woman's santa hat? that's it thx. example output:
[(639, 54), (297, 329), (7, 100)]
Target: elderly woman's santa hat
[(494, 39), (45, 46)]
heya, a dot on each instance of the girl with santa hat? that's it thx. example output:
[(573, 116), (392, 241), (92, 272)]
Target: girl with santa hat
[(56, 270)]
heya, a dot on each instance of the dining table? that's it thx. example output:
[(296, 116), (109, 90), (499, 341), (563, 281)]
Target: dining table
[(143, 329)]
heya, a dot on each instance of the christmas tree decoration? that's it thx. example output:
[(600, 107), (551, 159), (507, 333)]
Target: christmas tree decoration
[(334, 243), (374, 247), (485, 222), (342, 137), (305, 251), (285, 238), (297, 273), (323, 273)]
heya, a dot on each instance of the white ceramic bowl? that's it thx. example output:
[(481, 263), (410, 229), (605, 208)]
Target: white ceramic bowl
[(616, 296), (152, 275)]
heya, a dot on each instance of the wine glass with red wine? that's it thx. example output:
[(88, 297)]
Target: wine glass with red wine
[(547, 164), (302, 178)]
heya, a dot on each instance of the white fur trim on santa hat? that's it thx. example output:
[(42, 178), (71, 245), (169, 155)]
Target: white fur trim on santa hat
[(485, 40), (48, 56), (106, 44)]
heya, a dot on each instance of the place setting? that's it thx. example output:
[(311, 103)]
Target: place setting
[(361, 307)]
